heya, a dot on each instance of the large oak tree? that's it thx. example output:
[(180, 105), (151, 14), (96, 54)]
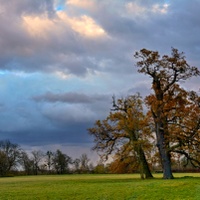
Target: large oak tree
[(169, 104)]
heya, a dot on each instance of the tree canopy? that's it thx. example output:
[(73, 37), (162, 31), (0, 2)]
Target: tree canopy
[(124, 132)]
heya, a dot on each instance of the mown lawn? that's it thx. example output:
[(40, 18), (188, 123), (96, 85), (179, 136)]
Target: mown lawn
[(100, 187)]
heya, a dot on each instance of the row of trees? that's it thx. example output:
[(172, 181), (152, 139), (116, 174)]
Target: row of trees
[(168, 118), (14, 158)]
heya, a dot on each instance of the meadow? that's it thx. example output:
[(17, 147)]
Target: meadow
[(100, 187)]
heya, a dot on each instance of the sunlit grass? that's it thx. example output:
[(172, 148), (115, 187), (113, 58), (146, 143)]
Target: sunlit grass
[(100, 187)]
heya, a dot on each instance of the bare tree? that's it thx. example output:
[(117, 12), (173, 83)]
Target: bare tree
[(49, 160), (9, 156), (84, 163), (76, 164), (27, 163), (37, 158)]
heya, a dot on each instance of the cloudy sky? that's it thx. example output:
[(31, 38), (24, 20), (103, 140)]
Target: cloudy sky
[(62, 60)]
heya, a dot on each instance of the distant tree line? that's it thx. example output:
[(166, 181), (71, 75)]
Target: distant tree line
[(16, 161), (13, 160)]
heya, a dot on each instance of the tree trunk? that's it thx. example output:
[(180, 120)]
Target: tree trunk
[(163, 151), (144, 167), (161, 129), (144, 164)]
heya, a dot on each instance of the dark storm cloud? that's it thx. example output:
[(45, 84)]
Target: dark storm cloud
[(72, 108), (157, 31), (21, 7), (70, 97), (73, 134)]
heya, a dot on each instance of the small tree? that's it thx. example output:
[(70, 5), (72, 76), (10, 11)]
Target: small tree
[(76, 164), (37, 158), (84, 163), (27, 163), (100, 168), (49, 160), (61, 162)]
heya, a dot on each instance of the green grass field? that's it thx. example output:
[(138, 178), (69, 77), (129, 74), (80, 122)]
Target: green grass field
[(101, 187)]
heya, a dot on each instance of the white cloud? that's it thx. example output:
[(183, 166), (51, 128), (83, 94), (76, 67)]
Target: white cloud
[(38, 26), (133, 7), (42, 26), (137, 9), (62, 75), (82, 3), (162, 9), (87, 26), (84, 25)]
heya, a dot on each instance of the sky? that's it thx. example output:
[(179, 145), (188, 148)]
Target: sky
[(61, 61)]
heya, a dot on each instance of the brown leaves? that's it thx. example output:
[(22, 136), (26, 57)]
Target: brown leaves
[(165, 70), (175, 111)]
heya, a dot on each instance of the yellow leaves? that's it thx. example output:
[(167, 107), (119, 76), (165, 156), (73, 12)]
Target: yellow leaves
[(125, 125)]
